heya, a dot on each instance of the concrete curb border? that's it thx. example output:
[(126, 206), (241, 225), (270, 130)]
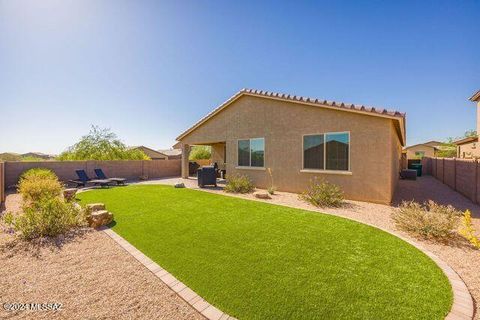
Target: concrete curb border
[(198, 303)]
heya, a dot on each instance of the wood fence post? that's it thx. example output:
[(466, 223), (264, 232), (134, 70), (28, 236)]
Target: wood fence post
[(455, 174), (443, 170), (476, 181)]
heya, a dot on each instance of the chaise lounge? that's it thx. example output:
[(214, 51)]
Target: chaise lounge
[(101, 175), (83, 180)]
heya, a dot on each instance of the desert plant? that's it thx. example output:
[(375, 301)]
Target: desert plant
[(36, 184), (47, 217), (429, 220), (271, 189), (468, 231), (239, 184), (322, 193), (38, 173)]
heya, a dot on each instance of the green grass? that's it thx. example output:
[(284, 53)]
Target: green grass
[(260, 261)]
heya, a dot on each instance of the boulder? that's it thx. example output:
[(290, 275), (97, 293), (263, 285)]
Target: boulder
[(262, 195), (69, 194), (180, 185), (100, 218), (92, 207)]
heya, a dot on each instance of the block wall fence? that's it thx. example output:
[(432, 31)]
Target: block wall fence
[(461, 175), (65, 170)]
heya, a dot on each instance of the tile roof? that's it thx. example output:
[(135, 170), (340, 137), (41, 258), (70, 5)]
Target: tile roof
[(375, 111)]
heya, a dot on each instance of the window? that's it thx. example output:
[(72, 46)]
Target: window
[(251, 152), (329, 151)]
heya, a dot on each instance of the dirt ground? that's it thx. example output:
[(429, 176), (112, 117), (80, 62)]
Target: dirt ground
[(89, 274)]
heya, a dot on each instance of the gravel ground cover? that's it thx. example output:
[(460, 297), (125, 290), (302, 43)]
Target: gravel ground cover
[(88, 273)]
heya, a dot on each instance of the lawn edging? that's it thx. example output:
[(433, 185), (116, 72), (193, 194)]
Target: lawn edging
[(188, 295), (463, 307)]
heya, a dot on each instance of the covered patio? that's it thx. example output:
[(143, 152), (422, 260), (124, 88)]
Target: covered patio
[(218, 155)]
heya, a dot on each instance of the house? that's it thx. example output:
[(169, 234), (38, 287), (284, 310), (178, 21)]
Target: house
[(355, 147), (152, 154), (467, 148), (426, 149), (172, 153)]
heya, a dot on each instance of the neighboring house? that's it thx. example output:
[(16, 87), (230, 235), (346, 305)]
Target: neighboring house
[(172, 153), (152, 154), (355, 147), (427, 149), (38, 155), (467, 148)]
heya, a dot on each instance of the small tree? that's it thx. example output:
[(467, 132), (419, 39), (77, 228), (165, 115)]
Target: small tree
[(101, 144), (200, 152)]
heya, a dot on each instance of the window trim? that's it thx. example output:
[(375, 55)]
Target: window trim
[(348, 171), (250, 155)]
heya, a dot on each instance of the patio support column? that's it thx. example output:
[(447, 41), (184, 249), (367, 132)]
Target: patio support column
[(185, 156)]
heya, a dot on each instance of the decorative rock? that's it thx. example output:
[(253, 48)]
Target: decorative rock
[(180, 185), (69, 194), (262, 195), (100, 218), (92, 207)]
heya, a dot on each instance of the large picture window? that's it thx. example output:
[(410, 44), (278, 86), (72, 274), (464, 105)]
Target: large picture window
[(329, 151), (251, 152)]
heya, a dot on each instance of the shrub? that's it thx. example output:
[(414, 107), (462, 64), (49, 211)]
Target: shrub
[(38, 173), (200, 152), (468, 231), (430, 220), (239, 184), (47, 217), (36, 184), (322, 193)]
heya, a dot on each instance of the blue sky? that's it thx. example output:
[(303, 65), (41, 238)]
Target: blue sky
[(149, 69)]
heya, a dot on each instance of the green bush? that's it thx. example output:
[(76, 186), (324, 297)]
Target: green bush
[(47, 217), (430, 220), (37, 183), (200, 152), (239, 184), (321, 193), (38, 173)]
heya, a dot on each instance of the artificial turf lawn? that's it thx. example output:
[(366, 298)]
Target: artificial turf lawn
[(256, 260)]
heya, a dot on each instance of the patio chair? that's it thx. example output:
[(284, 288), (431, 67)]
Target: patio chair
[(83, 180), (102, 176)]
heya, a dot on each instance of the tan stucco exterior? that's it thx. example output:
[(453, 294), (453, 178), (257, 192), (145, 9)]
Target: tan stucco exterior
[(412, 151), (152, 154), (469, 150), (375, 145)]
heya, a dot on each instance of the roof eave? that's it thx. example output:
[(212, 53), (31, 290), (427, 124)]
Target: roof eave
[(475, 97)]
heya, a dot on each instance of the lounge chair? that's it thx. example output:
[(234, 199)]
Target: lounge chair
[(102, 176), (83, 179), (206, 176)]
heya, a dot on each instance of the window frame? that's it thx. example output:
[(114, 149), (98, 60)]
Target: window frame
[(250, 155), (324, 170)]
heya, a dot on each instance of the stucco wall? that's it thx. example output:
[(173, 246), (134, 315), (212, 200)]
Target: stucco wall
[(429, 151), (65, 170), (374, 145), (469, 150)]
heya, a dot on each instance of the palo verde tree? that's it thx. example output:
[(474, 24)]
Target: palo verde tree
[(101, 144)]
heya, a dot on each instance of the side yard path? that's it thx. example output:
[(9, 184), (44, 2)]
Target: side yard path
[(462, 259), (92, 276)]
